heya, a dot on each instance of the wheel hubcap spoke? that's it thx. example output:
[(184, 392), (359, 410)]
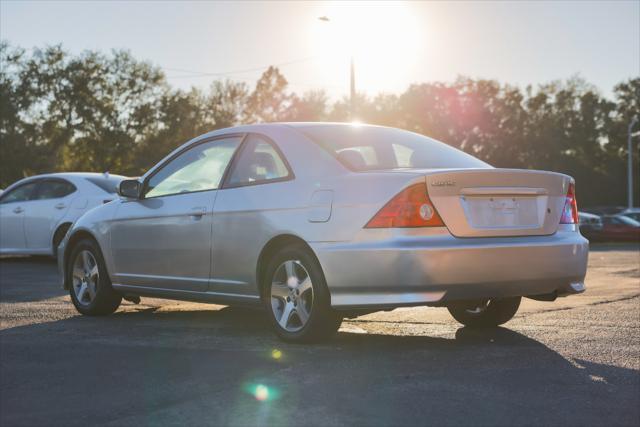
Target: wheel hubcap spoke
[(86, 262), (286, 315), (78, 273), (82, 291), (91, 287), (305, 285), (94, 272), (302, 313), (279, 290), (292, 278)]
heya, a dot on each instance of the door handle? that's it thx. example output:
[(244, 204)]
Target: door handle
[(198, 211), (60, 206), (18, 210)]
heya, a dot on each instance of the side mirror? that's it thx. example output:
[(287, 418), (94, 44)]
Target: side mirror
[(130, 188)]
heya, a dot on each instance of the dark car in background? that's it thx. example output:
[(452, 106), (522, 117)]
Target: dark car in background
[(604, 210), (590, 225), (619, 228)]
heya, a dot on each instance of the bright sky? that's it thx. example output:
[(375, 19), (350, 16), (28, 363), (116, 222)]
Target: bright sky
[(394, 44)]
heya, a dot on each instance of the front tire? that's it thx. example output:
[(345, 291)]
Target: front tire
[(90, 288), (297, 298), (487, 313)]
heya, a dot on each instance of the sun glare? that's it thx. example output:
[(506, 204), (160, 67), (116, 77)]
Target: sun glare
[(383, 37)]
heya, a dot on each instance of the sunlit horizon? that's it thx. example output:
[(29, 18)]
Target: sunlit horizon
[(394, 44)]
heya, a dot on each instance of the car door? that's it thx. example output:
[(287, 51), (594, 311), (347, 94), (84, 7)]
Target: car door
[(255, 199), (163, 240), (12, 208), (49, 203)]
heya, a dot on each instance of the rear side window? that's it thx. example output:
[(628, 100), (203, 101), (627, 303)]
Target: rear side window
[(363, 157), (54, 189), (258, 162), (403, 155), (109, 185), (363, 148), (19, 194)]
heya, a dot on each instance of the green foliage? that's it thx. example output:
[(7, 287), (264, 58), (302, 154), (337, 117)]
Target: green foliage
[(98, 112), (269, 101)]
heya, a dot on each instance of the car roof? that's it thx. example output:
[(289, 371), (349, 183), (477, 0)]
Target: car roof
[(69, 175), (257, 127), (304, 124), (73, 175), (78, 175), (329, 124)]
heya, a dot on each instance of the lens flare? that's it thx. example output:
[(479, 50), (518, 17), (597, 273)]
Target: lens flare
[(261, 393)]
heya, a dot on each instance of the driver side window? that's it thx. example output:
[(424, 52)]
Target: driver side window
[(198, 169)]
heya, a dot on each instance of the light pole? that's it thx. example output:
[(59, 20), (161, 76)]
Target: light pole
[(352, 80), (630, 161), (352, 96)]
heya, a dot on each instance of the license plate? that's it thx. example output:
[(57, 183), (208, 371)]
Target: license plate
[(502, 212)]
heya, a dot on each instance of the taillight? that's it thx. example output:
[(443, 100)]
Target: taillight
[(410, 208), (570, 211)]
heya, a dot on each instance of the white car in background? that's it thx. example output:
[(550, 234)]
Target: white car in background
[(36, 212)]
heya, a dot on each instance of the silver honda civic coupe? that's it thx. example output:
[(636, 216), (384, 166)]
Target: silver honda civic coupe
[(322, 221)]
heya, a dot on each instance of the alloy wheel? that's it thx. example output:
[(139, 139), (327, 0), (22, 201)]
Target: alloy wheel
[(291, 295), (85, 277)]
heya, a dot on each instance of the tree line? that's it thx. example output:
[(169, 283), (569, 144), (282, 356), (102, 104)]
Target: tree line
[(112, 112)]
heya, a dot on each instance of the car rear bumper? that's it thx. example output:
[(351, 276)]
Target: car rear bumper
[(431, 270)]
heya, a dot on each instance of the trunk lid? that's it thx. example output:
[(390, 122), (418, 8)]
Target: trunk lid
[(498, 202)]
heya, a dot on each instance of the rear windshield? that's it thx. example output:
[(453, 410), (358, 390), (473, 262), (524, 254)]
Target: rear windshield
[(365, 148), (110, 184)]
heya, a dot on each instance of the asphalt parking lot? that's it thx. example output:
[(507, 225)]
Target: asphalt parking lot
[(575, 361)]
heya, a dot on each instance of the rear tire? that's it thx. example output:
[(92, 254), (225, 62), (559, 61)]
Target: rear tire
[(90, 287), (297, 298), (485, 313)]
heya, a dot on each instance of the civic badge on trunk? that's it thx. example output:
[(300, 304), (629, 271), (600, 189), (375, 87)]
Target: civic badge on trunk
[(443, 183)]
